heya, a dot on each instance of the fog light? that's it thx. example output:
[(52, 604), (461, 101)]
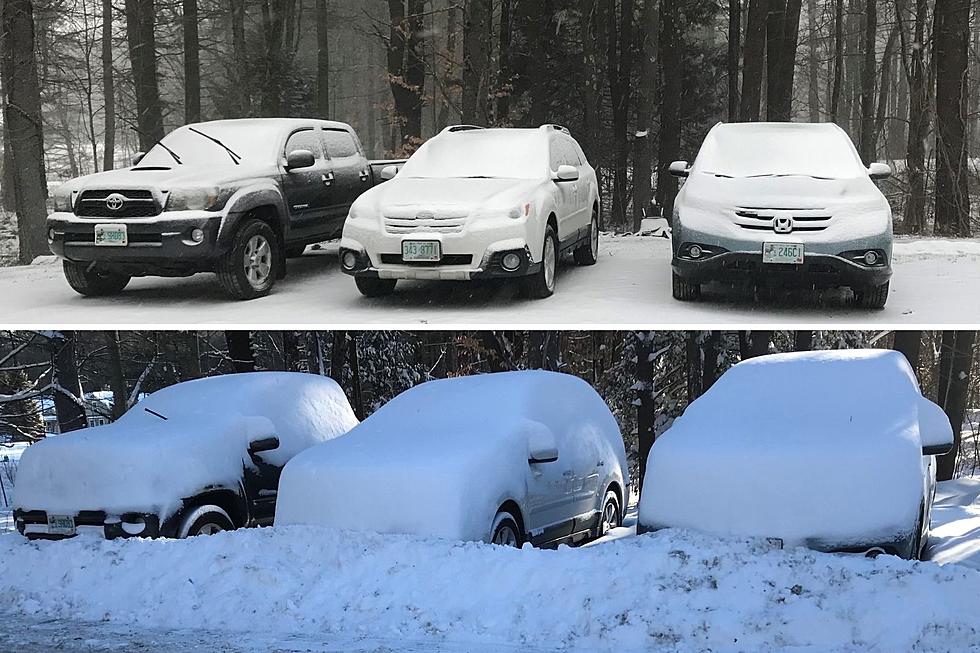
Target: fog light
[(197, 235), (511, 262), (694, 251), (51, 234), (870, 257), (349, 260)]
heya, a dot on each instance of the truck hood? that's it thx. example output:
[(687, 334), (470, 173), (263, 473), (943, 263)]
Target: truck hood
[(464, 195), (178, 176)]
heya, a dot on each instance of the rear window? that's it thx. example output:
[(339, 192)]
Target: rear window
[(338, 143)]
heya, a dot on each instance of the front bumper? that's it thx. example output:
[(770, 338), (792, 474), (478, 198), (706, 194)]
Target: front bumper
[(33, 524), (391, 266), (155, 244)]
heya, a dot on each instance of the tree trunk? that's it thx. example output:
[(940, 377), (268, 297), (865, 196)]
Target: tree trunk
[(237, 11), (753, 61), (406, 70), (117, 382), (910, 344), (953, 400), (240, 350), (592, 26), (544, 350), (23, 137), (620, 63), (670, 106), (140, 17), (782, 38), (323, 61), (734, 50), (838, 83), (914, 214), (754, 343), (355, 375), (192, 62), (505, 84), (813, 63), (476, 60), (338, 357), (108, 89), (868, 74), (951, 34), (646, 105), (646, 412), (803, 341), (68, 400)]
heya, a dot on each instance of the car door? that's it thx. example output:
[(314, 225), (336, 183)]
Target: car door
[(566, 192), (261, 489), (307, 190), (550, 503), (351, 175)]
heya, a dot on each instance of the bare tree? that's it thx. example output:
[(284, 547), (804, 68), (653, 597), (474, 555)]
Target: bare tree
[(753, 60), (646, 104), (192, 62), (406, 69), (956, 366), (108, 90), (322, 59), (140, 33)]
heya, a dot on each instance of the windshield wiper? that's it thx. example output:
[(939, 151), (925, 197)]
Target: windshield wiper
[(155, 414), (234, 156), (160, 143), (787, 174)]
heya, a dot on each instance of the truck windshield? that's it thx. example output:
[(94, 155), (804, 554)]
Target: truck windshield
[(772, 151), (491, 153), (255, 144)]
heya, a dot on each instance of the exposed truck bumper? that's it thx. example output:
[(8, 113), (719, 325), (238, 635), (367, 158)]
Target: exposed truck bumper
[(33, 524)]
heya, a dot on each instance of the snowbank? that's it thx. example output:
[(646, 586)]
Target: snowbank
[(144, 462), (442, 457), (955, 533), (817, 448), (674, 591)]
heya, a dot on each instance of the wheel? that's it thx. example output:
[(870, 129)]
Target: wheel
[(873, 297), (93, 282), (248, 270), (205, 520), (588, 254), (505, 531), (611, 516), (295, 251), (542, 283), (683, 289), (374, 287)]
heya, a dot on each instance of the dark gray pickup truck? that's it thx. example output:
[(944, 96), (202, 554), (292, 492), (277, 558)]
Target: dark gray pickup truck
[(233, 197)]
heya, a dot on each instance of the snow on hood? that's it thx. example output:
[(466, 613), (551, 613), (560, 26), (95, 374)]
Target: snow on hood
[(408, 195), (184, 176), (145, 463), (854, 196), (440, 458), (816, 447)]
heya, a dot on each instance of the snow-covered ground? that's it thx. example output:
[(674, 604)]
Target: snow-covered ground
[(933, 282), (303, 588)]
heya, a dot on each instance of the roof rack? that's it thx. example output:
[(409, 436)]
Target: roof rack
[(556, 127), (460, 128)]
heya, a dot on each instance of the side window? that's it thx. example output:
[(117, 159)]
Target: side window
[(557, 158), (305, 139), (338, 143), (563, 154)]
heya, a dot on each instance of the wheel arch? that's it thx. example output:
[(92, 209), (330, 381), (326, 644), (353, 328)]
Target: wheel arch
[(262, 203), (230, 501), (514, 508)]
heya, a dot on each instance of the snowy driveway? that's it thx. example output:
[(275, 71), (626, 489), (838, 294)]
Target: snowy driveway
[(933, 283)]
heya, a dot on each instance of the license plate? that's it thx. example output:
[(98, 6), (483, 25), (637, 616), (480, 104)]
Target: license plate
[(788, 253), (421, 250), (61, 525), (111, 235)]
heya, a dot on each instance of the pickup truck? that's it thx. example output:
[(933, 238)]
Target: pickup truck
[(233, 197)]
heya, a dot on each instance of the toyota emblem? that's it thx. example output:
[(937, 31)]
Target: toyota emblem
[(115, 202)]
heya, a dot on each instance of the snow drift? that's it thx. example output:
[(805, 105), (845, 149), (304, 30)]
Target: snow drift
[(143, 462), (442, 457), (817, 448)]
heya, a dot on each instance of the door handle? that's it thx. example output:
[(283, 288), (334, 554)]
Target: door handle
[(327, 179)]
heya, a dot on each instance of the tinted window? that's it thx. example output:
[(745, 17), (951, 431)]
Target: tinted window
[(303, 140), (338, 143)]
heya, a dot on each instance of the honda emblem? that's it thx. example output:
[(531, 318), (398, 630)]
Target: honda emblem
[(782, 224)]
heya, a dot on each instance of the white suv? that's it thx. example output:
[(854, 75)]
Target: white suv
[(477, 203)]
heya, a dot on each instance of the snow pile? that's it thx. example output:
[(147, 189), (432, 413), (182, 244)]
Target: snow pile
[(672, 590), (179, 440), (442, 457), (955, 533), (815, 447)]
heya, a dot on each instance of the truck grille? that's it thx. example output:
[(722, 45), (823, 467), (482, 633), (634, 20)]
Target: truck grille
[(442, 222), (116, 204), (782, 220)]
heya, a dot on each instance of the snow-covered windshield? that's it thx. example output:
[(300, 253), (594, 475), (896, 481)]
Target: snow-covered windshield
[(254, 144), (779, 150), (504, 153)]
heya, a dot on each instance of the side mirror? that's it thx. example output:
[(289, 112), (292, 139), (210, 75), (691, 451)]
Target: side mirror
[(138, 157), (298, 159), (541, 445), (879, 171), (263, 444), (679, 169), (566, 173), (935, 431), (389, 172)]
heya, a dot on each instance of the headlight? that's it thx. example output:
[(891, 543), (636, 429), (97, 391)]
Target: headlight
[(523, 211), (195, 199)]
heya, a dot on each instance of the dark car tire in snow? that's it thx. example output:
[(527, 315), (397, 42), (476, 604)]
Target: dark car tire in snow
[(205, 520), (542, 284), (611, 517), (505, 531), (93, 283), (683, 289), (588, 253), (873, 297), (249, 269), (295, 251), (374, 287)]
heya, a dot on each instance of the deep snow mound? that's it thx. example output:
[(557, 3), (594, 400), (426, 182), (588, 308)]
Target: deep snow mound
[(673, 590)]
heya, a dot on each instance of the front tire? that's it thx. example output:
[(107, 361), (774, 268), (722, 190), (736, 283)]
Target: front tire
[(588, 253), (205, 520), (93, 282), (684, 290), (542, 284), (249, 269), (374, 287), (872, 297), (505, 531)]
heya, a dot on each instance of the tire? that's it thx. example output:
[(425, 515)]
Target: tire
[(205, 520), (872, 297), (683, 289), (505, 531), (611, 516), (542, 284), (295, 251), (374, 287), (249, 269), (93, 283), (588, 253)]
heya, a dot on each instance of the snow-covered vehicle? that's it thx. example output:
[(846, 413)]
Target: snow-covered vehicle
[(194, 458), (507, 458), (782, 204), (476, 203), (234, 197), (830, 450)]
